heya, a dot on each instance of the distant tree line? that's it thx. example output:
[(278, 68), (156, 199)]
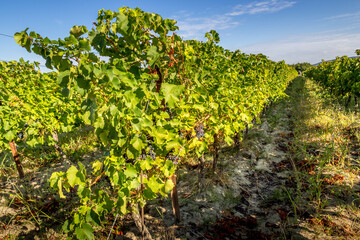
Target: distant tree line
[(301, 67)]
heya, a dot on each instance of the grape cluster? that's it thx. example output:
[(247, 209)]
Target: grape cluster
[(126, 157), (20, 135), (151, 153), (170, 114), (142, 156), (172, 158), (199, 130)]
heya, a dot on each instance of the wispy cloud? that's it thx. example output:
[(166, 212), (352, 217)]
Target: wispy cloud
[(310, 48), (196, 27), (344, 16), (268, 6)]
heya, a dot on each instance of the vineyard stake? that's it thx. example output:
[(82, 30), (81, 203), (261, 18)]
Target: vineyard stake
[(175, 200), (112, 226), (216, 151), (142, 208), (16, 159), (201, 171), (236, 139)]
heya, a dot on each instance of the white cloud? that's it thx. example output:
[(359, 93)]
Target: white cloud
[(196, 27), (310, 48), (344, 16), (268, 6)]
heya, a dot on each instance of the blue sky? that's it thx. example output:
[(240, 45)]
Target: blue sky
[(290, 30)]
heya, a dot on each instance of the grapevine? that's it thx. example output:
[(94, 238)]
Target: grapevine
[(340, 77), (32, 107), (155, 101)]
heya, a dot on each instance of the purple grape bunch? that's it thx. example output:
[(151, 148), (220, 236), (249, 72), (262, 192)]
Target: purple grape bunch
[(199, 130)]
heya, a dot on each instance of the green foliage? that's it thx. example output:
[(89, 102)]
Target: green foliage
[(302, 67), (32, 106), (146, 102), (340, 76)]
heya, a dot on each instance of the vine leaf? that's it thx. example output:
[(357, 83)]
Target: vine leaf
[(172, 93), (72, 177), (169, 185), (153, 55), (63, 78), (84, 232), (77, 31)]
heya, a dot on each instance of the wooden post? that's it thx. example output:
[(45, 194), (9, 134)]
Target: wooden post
[(216, 152), (201, 171), (175, 200), (142, 208), (245, 131), (236, 139), (347, 103), (16, 159)]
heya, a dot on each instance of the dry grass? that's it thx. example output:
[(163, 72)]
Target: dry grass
[(325, 155)]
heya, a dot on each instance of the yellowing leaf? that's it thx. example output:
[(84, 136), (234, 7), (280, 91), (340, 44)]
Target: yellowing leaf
[(169, 185)]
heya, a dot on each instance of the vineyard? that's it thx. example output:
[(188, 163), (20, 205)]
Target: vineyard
[(340, 77), (139, 134)]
